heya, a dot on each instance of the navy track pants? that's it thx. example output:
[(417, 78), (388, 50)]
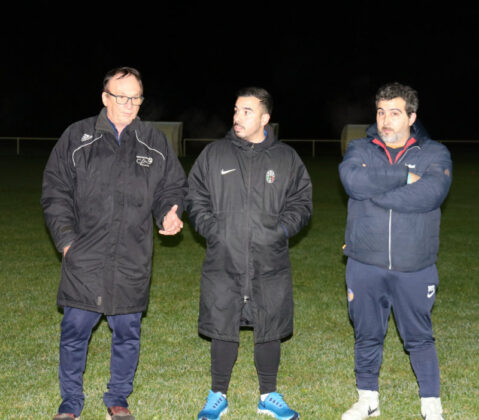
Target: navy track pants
[(372, 293), (76, 329)]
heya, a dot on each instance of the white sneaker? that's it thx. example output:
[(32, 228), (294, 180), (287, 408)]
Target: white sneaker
[(367, 406), (431, 409)]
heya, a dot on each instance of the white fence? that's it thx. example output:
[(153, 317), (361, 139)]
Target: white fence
[(18, 140), (313, 142), (179, 145)]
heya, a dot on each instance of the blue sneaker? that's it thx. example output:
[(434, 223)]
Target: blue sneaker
[(275, 406), (216, 405)]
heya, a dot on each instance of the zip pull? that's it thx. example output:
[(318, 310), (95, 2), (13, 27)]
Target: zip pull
[(245, 299)]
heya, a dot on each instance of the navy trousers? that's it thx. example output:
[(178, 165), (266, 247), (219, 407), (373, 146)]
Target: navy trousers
[(76, 328), (372, 292)]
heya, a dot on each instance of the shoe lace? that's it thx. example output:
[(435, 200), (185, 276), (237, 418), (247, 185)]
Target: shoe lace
[(214, 400), (277, 400)]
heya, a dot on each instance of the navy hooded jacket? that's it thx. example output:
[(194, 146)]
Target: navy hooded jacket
[(392, 224)]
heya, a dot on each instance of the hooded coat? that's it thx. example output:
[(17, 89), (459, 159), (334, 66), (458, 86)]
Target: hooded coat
[(393, 224), (99, 196), (247, 199)]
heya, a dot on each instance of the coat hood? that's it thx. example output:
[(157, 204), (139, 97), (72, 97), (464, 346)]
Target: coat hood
[(417, 131), (245, 144)]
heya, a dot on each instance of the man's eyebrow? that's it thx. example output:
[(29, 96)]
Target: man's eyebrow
[(244, 108), (389, 109)]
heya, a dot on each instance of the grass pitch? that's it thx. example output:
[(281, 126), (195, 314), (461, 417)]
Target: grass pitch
[(172, 381)]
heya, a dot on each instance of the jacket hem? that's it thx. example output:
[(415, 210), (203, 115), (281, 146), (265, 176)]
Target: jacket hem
[(208, 334), (101, 310)]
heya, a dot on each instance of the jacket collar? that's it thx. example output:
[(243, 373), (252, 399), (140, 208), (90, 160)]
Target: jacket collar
[(416, 138), (418, 132), (104, 124), (244, 144)]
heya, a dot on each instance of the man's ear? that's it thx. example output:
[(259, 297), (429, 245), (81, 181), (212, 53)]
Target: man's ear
[(265, 119), (412, 119), (104, 97)]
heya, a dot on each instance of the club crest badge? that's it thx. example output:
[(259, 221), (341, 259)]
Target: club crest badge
[(270, 176), (144, 161)]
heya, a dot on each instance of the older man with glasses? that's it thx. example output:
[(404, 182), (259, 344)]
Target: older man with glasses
[(106, 176)]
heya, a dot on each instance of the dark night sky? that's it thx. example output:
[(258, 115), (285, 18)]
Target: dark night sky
[(322, 66)]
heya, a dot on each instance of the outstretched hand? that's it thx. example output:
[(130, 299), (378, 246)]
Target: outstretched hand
[(172, 224)]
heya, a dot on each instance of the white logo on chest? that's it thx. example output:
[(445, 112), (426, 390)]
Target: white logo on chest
[(144, 161), (227, 171)]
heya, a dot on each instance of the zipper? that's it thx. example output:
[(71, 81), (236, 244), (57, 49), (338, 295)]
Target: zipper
[(248, 200), (391, 211), (389, 239), (407, 150), (401, 157)]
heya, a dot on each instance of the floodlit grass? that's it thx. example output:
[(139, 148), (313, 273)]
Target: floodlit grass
[(316, 374)]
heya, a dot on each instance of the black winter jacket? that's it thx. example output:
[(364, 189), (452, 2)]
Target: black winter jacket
[(392, 224), (99, 197), (246, 200)]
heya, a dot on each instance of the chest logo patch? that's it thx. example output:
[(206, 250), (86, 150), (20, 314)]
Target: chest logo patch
[(270, 176), (227, 171), (144, 161)]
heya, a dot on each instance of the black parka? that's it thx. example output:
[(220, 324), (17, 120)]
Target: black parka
[(247, 199), (99, 196)]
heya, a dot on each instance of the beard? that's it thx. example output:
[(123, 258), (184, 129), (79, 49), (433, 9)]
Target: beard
[(390, 137)]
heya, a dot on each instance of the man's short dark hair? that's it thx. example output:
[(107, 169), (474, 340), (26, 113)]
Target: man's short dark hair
[(397, 90), (123, 72), (259, 93)]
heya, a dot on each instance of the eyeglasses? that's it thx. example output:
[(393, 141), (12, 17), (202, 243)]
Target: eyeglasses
[(123, 100)]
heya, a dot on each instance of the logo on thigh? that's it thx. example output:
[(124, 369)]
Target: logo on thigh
[(431, 289)]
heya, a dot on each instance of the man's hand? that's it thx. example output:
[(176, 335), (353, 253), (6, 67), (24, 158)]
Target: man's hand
[(412, 178), (172, 224), (65, 250)]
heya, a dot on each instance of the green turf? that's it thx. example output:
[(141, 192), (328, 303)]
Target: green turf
[(316, 374)]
